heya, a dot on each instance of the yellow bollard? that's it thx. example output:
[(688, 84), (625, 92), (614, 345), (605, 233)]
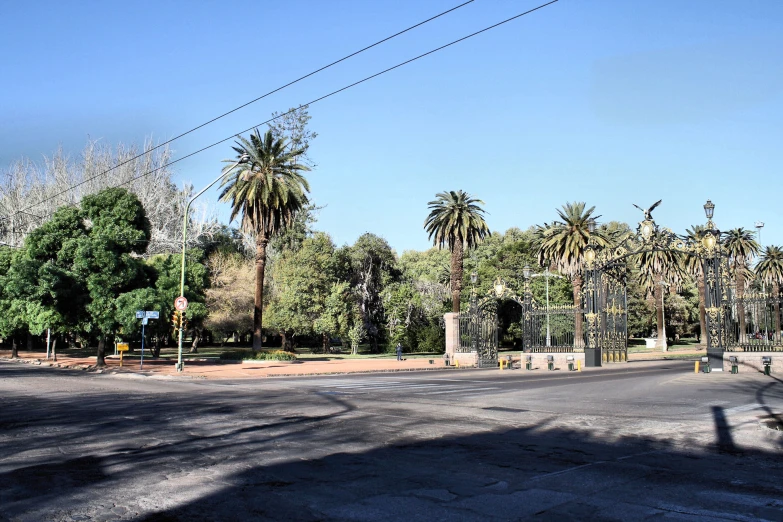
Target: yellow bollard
[(579, 365), (696, 367), (457, 364)]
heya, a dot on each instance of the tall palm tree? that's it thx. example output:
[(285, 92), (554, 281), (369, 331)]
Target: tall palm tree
[(267, 191), (770, 271), (742, 247), (693, 265), (456, 220), (659, 268), (562, 243)]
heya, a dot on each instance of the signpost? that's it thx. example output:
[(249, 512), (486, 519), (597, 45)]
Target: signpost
[(145, 316), (181, 304), (122, 348)]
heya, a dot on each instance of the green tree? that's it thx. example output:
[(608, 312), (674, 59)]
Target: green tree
[(61, 295), (457, 221), (16, 275), (163, 274), (770, 271), (741, 247), (372, 268), (268, 192), (561, 244), (305, 281), (107, 258)]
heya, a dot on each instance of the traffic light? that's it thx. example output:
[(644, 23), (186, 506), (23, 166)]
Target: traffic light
[(175, 320), (184, 322)]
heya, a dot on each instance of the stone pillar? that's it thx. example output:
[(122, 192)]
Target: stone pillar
[(452, 333)]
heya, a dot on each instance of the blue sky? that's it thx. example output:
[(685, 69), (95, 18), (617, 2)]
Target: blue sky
[(608, 101)]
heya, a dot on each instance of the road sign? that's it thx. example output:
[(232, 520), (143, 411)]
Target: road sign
[(122, 347), (139, 314), (144, 321), (181, 304), (152, 315)]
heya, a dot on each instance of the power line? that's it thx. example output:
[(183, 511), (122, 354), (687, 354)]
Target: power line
[(354, 84), (251, 102)]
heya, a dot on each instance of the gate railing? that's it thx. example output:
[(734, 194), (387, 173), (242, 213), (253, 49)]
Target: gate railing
[(549, 330), (753, 323)]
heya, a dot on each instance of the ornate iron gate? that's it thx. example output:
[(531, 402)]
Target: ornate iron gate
[(478, 332), (548, 328), (753, 322)]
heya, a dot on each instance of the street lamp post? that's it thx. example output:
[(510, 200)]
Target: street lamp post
[(242, 159), (526, 272)]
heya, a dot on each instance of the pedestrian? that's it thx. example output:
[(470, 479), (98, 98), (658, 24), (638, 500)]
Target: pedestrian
[(399, 352)]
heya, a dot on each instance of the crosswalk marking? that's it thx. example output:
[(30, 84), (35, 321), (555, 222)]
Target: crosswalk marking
[(471, 390)]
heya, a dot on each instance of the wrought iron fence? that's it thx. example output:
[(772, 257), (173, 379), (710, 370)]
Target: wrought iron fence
[(753, 323), (549, 330)]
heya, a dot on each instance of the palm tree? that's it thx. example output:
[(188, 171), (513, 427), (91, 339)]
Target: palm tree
[(741, 247), (770, 271), (456, 220), (659, 268), (693, 264), (268, 191), (562, 243)]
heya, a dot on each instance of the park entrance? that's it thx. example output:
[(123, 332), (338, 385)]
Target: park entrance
[(599, 326)]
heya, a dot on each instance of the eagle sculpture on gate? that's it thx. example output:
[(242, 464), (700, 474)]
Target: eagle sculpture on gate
[(648, 212)]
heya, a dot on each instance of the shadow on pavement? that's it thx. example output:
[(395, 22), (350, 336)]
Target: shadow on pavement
[(230, 455)]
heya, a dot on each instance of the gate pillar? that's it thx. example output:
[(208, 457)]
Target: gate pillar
[(452, 333), (714, 295), (592, 317)]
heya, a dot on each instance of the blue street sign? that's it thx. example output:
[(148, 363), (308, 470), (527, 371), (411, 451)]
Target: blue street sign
[(152, 315), (139, 314), (144, 321)]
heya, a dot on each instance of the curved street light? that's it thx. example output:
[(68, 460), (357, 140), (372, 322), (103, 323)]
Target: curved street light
[(244, 158)]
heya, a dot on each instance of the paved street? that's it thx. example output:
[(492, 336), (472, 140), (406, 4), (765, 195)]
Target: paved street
[(630, 442)]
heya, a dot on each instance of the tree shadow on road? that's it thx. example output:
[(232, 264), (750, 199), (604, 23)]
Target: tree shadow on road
[(238, 454)]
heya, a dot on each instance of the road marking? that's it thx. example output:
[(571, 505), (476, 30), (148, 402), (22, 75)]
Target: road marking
[(413, 387), (465, 389)]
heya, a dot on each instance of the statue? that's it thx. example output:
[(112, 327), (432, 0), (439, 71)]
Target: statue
[(648, 212)]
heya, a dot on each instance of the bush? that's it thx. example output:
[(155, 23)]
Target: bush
[(250, 355)]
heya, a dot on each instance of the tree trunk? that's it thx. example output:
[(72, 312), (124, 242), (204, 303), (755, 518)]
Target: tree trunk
[(194, 346), (659, 317), (456, 275), (99, 359), (576, 284), (14, 349), (702, 313), (261, 243), (156, 347), (325, 342), (29, 342), (743, 335), (54, 349)]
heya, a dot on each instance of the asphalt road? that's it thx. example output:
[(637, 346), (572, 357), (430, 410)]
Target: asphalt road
[(630, 442)]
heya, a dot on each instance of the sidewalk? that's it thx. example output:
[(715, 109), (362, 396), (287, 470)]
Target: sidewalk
[(211, 369)]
